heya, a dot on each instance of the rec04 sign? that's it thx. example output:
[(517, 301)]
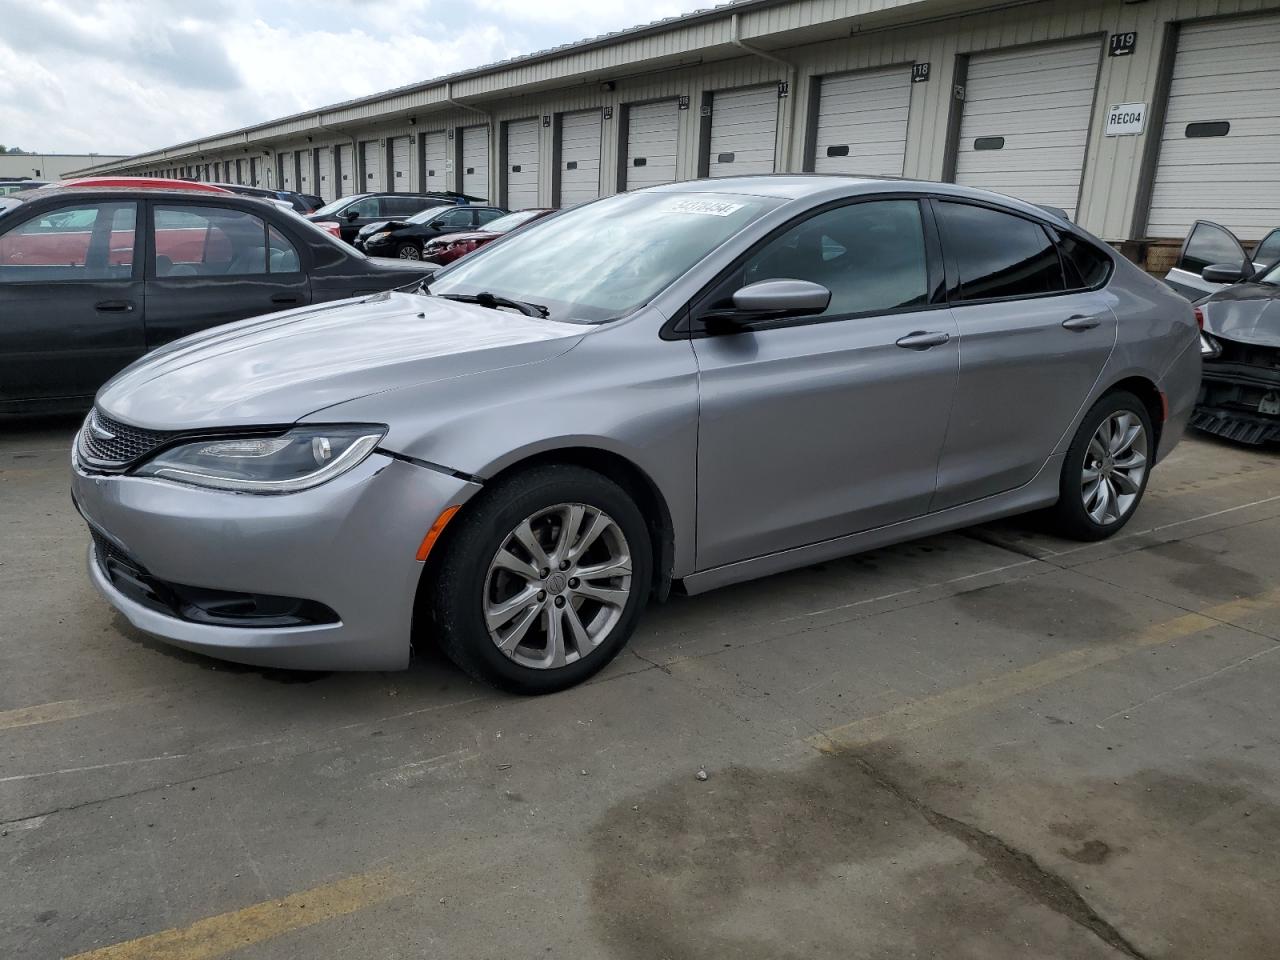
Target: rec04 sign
[(1126, 119)]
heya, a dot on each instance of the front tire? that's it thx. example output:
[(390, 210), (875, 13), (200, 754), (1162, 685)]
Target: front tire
[(1106, 469), (544, 579), (408, 251)]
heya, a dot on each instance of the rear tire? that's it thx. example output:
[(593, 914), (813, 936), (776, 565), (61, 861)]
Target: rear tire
[(1106, 469), (408, 251), (541, 618)]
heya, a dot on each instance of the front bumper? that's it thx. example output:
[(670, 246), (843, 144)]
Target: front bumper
[(1240, 401), (348, 545)]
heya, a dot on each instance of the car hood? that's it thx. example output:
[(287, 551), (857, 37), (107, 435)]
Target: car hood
[(279, 368), (1246, 313)]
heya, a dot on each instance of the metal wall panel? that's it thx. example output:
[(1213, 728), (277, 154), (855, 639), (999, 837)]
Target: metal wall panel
[(862, 122), (1226, 73), (744, 131)]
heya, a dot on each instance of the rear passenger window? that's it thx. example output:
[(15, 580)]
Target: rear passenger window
[(485, 216), (205, 241), (998, 254), (1087, 266)]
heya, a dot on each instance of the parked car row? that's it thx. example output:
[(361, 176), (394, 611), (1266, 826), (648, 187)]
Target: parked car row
[(1237, 303)]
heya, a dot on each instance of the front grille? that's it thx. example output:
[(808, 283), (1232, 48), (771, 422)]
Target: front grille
[(110, 444)]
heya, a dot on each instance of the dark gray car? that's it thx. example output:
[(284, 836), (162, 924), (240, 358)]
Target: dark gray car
[(683, 387)]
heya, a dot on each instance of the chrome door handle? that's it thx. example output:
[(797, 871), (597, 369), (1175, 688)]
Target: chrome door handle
[(921, 340), (1080, 323)]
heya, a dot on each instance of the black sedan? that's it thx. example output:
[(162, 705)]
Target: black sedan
[(361, 209), (407, 238), (304, 203), (92, 278)]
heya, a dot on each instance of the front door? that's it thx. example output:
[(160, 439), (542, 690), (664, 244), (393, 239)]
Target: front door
[(209, 264), (1032, 345), (71, 300), (818, 427)]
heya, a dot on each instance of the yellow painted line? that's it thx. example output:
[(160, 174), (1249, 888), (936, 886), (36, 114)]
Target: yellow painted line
[(47, 713), (219, 935), (985, 693)]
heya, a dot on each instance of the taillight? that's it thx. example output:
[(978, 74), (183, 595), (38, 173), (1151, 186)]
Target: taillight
[(1199, 318)]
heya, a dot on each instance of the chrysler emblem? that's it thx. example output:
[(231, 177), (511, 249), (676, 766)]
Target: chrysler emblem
[(101, 432)]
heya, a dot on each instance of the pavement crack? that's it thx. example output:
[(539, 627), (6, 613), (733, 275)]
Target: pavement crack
[(1016, 867), (653, 663)]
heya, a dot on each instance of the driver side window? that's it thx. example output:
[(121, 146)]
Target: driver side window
[(870, 255)]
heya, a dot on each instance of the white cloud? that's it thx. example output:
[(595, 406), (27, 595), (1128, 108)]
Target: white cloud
[(125, 76)]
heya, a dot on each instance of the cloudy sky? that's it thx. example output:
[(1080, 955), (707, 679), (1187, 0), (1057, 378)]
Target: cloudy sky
[(123, 76)]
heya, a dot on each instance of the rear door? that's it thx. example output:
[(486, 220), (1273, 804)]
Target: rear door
[(1032, 345), (1207, 245), (71, 299), (209, 264)]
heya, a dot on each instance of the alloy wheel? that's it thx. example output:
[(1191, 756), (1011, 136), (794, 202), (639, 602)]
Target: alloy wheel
[(1115, 465), (558, 585), (409, 253)]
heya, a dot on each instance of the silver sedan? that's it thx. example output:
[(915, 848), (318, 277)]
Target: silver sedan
[(682, 387)]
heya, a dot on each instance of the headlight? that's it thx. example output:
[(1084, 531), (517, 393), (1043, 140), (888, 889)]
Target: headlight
[(298, 460), (382, 235), (1209, 346)]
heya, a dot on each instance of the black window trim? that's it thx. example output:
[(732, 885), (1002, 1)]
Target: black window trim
[(1051, 231), (684, 325), (301, 248), (58, 203)]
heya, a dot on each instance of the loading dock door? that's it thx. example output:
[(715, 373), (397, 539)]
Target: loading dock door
[(522, 164), (287, 177), (652, 134), (401, 177), (475, 162), (1026, 122), (302, 158), (346, 182), (579, 157), (371, 167), (326, 188), (744, 131), (862, 122), (433, 152), (1220, 148)]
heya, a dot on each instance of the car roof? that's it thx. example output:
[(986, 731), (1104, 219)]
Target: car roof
[(187, 196)]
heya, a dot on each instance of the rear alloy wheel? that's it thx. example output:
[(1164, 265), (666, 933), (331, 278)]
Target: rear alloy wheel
[(543, 580), (408, 251), (1106, 469)]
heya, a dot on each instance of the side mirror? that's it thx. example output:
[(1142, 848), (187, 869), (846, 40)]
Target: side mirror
[(773, 299), (1222, 273), (351, 213)]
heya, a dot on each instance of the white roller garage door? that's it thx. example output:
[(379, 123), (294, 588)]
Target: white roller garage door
[(434, 152), (1026, 122), (326, 187), (1220, 148), (303, 160), (287, 171), (401, 177), (862, 122), (744, 131), (652, 134), (347, 182), (579, 157), (522, 164), (372, 177), (475, 162)]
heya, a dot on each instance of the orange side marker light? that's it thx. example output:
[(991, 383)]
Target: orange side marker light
[(437, 528)]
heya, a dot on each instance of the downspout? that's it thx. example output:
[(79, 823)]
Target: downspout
[(492, 136), (788, 108)]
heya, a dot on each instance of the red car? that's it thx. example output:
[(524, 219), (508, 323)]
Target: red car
[(144, 183), (452, 246)]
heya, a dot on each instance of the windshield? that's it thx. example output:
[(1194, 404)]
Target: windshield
[(333, 207), (422, 216), (1271, 276), (510, 221), (6, 204), (604, 259)]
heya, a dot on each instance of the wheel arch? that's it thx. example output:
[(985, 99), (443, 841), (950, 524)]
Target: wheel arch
[(1145, 389)]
